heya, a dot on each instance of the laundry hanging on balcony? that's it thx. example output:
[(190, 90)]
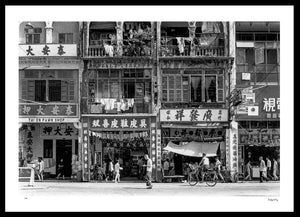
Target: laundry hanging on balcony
[(180, 42), (109, 50), (211, 27)]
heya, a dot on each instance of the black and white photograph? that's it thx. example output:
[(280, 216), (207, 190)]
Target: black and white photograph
[(149, 108)]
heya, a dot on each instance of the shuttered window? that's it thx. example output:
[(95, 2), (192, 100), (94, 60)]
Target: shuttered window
[(193, 88), (54, 90), (175, 88), (37, 89), (220, 94)]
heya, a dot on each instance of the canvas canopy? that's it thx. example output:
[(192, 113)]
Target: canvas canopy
[(194, 149)]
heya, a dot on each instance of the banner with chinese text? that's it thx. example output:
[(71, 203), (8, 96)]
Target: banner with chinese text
[(193, 115)]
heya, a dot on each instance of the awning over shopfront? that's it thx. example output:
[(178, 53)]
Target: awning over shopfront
[(194, 149)]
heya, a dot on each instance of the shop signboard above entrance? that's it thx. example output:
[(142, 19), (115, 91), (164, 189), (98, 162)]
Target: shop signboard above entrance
[(46, 110), (193, 115), (126, 123)]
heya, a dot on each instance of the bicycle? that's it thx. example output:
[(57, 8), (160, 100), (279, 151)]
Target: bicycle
[(236, 177), (210, 177)]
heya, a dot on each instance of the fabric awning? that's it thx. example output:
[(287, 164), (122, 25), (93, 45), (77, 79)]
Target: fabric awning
[(194, 149)]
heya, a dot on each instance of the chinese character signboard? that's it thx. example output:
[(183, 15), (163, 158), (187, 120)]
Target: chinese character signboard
[(129, 123), (193, 115), (58, 130), (54, 110), (38, 50), (266, 104)]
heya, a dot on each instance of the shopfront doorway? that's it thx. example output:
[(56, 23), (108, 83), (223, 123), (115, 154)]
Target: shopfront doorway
[(64, 151)]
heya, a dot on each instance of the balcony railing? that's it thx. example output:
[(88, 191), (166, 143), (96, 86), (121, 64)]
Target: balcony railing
[(208, 44), (100, 48), (173, 50)]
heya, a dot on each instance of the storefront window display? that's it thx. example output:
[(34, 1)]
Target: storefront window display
[(125, 146)]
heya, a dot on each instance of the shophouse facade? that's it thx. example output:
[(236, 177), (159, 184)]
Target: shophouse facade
[(118, 94), (257, 69), (194, 70), (49, 78)]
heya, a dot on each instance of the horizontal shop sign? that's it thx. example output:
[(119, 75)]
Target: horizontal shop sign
[(120, 122), (47, 50), (193, 115), (48, 120), (30, 109)]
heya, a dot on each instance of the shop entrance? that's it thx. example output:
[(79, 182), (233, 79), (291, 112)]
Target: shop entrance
[(64, 151)]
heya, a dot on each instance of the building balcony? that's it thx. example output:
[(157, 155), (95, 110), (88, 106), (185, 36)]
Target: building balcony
[(47, 50), (204, 45), (100, 48)]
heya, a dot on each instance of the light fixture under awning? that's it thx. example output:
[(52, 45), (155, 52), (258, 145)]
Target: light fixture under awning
[(194, 149)]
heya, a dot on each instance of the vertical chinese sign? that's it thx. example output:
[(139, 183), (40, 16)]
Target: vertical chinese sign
[(85, 137)]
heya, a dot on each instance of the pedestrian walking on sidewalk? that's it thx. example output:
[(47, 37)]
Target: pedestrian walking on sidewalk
[(41, 169), (110, 170), (262, 170), (275, 169), (218, 165), (248, 171), (148, 171), (117, 171), (269, 165)]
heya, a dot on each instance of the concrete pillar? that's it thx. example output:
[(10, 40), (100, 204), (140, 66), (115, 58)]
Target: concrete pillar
[(158, 71), (87, 37), (232, 53), (226, 38), (49, 31), (192, 30), (119, 29)]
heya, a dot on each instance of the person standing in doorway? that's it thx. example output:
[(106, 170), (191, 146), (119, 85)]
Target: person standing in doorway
[(262, 169), (166, 167), (60, 169), (148, 176)]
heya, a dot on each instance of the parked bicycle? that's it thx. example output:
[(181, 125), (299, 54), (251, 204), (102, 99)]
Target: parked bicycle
[(209, 177), (236, 177)]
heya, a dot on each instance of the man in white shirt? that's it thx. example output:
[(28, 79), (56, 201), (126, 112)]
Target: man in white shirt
[(148, 171), (205, 165)]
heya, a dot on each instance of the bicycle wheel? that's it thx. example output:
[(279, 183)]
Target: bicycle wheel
[(210, 179), (192, 179)]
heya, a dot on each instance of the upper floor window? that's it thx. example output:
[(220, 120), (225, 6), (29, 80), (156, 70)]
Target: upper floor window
[(33, 35), (65, 38), (194, 88), (48, 85)]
